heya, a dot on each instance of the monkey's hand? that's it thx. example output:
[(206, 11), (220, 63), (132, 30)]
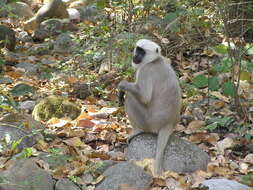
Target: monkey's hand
[(121, 98), (123, 85)]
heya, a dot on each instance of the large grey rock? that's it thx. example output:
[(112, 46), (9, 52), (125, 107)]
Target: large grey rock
[(125, 173), (53, 160), (28, 67), (224, 184), (52, 27), (14, 127), (180, 155), (65, 184), (40, 49), (27, 105), (63, 44), (26, 175), (7, 37), (22, 10)]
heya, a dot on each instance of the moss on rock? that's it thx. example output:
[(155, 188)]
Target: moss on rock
[(55, 106)]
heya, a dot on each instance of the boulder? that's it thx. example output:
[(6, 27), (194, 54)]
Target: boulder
[(19, 126), (52, 27), (24, 175), (7, 37), (64, 44), (29, 68), (20, 9), (180, 155), (55, 106), (224, 184), (40, 49), (125, 174)]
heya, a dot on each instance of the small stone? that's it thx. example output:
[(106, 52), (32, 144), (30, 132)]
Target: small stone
[(63, 44), (29, 68), (125, 173), (224, 184), (24, 37), (27, 105)]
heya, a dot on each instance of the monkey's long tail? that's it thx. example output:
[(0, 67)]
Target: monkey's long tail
[(162, 140)]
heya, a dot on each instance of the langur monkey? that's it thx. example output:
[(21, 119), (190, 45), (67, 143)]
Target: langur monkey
[(153, 101)]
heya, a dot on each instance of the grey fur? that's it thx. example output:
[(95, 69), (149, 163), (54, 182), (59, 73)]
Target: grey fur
[(153, 102)]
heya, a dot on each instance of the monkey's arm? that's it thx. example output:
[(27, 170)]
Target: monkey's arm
[(142, 89)]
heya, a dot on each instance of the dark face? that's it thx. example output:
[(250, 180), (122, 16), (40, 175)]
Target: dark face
[(139, 55)]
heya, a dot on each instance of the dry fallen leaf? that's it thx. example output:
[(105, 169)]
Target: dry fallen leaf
[(85, 123), (224, 144), (75, 142), (194, 126), (249, 159)]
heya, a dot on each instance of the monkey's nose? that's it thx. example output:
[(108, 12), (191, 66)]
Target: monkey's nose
[(137, 59)]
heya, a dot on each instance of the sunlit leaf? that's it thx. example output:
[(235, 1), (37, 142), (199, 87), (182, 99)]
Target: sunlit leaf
[(245, 76), (15, 144), (27, 152), (222, 49), (101, 4)]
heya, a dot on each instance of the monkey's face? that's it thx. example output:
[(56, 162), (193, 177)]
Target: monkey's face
[(145, 52)]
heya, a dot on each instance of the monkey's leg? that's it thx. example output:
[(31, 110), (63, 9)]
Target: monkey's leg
[(137, 114), (162, 140)]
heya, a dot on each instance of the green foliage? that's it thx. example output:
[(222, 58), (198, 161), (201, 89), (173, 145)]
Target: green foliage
[(21, 89), (16, 143), (172, 19), (228, 89), (7, 101), (248, 179), (222, 49), (74, 178), (215, 122), (224, 66), (101, 4), (200, 81), (27, 152), (213, 83), (57, 158)]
